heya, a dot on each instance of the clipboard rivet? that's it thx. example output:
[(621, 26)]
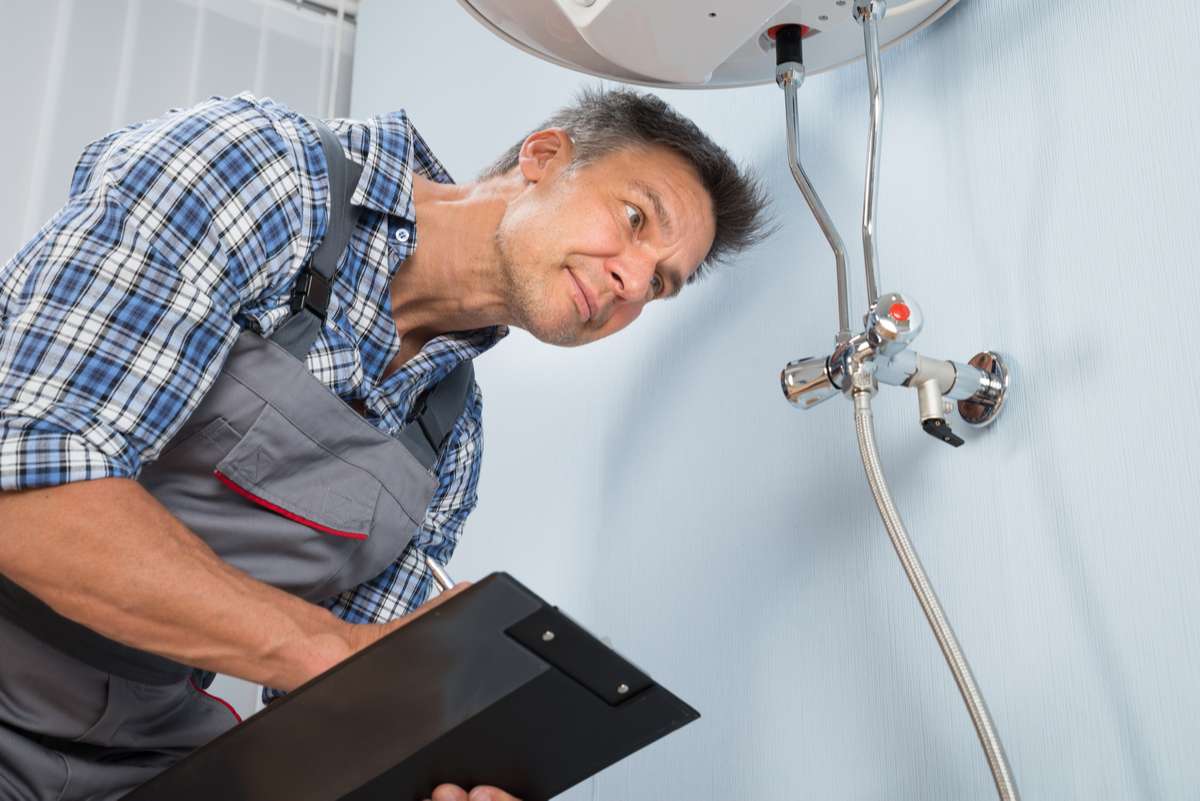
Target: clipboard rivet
[(622, 689), (547, 636)]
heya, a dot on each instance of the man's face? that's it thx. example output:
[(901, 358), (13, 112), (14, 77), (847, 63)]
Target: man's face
[(583, 250)]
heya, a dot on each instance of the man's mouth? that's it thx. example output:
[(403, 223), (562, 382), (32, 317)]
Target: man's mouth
[(580, 296)]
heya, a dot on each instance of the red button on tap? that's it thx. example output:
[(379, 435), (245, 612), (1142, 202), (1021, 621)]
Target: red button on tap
[(900, 312)]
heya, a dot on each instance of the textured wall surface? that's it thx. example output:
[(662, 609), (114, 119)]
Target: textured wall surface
[(1039, 196)]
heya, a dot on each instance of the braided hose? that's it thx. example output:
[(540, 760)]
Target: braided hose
[(992, 747)]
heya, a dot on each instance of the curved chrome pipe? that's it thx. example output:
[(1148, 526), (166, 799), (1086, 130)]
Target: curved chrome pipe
[(992, 747), (869, 12), (790, 76)]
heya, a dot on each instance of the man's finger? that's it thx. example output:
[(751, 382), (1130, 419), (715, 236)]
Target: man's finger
[(444, 595), (428, 606), (449, 792), (491, 794)]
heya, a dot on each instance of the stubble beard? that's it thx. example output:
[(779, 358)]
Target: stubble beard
[(531, 309)]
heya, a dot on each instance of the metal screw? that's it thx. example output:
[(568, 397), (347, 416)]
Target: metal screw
[(547, 636), (622, 689)]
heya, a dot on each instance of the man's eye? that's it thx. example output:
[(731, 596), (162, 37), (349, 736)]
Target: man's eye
[(634, 215), (656, 285)]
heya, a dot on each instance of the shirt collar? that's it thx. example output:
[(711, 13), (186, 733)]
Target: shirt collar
[(390, 149)]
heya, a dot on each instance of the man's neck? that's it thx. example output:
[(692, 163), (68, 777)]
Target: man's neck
[(451, 281)]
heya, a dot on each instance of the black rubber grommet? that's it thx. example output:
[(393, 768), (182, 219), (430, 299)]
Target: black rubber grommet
[(788, 46)]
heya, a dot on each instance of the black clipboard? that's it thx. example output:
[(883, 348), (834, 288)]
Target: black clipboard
[(494, 686)]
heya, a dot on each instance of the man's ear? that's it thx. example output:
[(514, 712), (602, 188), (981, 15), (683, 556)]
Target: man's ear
[(545, 152)]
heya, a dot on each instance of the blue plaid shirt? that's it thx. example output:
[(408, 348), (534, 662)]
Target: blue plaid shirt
[(179, 232)]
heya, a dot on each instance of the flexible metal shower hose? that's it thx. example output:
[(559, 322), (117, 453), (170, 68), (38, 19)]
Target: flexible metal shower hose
[(992, 747)]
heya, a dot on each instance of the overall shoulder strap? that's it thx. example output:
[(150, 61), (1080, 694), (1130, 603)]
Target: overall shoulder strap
[(436, 413), (440, 407), (310, 296)]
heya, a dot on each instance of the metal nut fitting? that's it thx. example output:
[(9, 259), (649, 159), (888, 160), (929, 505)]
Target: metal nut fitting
[(863, 380), (789, 72), (866, 9)]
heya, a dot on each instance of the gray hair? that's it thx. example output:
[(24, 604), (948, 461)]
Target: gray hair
[(603, 121)]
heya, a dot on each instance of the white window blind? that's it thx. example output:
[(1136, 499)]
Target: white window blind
[(75, 69)]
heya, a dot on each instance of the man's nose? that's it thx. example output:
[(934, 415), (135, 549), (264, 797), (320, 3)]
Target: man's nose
[(630, 274)]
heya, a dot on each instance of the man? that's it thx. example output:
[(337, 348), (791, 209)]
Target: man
[(184, 489)]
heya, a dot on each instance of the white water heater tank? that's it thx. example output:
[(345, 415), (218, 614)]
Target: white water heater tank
[(691, 43)]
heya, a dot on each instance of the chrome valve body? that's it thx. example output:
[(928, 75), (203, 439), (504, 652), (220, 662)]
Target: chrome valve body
[(881, 353)]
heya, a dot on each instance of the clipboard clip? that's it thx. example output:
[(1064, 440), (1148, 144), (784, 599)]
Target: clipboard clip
[(565, 644)]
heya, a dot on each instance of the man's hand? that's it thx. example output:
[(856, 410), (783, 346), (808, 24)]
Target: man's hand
[(450, 792), (359, 636)]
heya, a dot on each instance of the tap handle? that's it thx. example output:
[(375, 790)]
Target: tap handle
[(807, 382), (937, 427)]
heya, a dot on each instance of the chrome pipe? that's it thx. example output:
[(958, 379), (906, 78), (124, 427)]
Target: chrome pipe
[(984, 727), (439, 574), (789, 76), (868, 13)]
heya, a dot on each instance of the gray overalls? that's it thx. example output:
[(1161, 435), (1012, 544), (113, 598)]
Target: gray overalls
[(284, 481)]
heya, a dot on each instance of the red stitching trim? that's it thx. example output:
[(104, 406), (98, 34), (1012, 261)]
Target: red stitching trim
[(222, 701), (245, 493)]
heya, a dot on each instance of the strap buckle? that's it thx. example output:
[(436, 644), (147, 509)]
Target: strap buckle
[(311, 291)]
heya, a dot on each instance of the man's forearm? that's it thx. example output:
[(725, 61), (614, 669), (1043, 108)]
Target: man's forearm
[(108, 555)]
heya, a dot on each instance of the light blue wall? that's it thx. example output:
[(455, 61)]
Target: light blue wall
[(1039, 196)]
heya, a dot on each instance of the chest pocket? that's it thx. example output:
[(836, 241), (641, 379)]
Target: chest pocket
[(278, 467), (311, 513)]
